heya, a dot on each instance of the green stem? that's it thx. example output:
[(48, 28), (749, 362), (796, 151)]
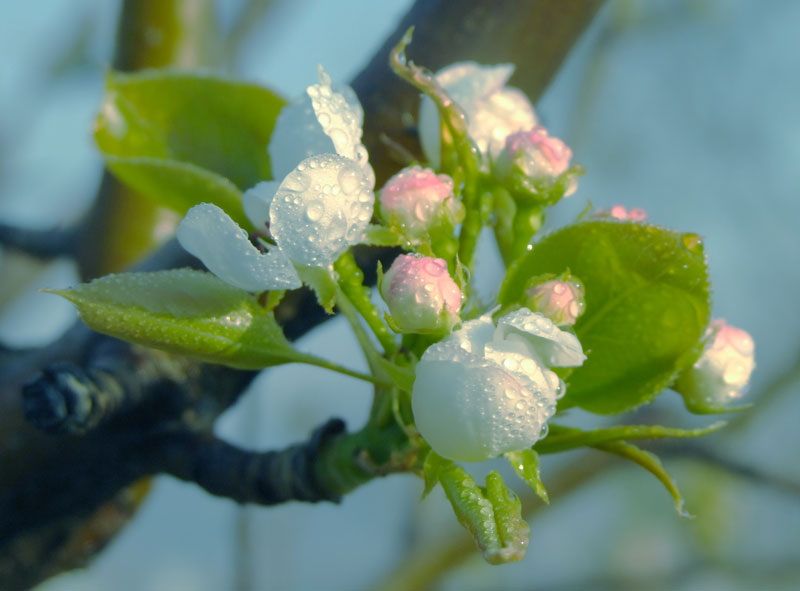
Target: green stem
[(351, 282), (350, 312), (320, 362), (471, 228)]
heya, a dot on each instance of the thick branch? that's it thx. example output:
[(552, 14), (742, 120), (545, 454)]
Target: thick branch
[(265, 478)]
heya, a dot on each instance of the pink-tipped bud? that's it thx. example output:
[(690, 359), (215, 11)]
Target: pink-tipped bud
[(415, 198), (722, 373), (562, 301), (618, 212), (537, 155), (421, 295)]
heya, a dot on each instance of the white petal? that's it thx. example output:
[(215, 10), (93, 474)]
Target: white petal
[(212, 236), (297, 135), (504, 112), (336, 115), (321, 208), (475, 410), (555, 347), (256, 202), (467, 83)]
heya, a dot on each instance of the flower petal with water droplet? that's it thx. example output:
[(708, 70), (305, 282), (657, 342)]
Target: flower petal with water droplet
[(322, 207), (211, 235), (493, 110), (557, 348)]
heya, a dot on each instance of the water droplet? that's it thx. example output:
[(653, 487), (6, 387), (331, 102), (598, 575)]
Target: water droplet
[(315, 210), (510, 364), (692, 242), (349, 180)]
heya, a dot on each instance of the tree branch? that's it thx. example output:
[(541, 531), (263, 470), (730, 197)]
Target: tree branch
[(54, 483)]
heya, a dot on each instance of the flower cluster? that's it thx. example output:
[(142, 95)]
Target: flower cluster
[(485, 390), (500, 120)]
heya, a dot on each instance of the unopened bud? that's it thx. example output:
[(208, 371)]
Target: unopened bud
[(416, 198), (538, 155), (561, 300), (421, 295), (722, 373), (618, 212)]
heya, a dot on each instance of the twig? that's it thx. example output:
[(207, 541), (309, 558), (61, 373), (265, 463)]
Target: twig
[(39, 243)]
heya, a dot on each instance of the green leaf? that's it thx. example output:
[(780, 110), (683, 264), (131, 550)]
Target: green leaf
[(184, 311), (382, 236), (561, 438), (432, 469), (179, 185), (652, 464), (220, 127), (526, 465), (403, 377), (647, 307), (514, 531), (492, 515), (322, 282)]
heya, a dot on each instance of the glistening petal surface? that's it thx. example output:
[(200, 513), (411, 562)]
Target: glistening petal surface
[(212, 236)]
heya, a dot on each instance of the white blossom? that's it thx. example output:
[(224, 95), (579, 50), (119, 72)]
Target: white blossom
[(485, 390), (493, 110), (321, 206)]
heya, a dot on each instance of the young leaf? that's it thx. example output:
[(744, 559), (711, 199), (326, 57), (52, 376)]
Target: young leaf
[(376, 235), (526, 465), (647, 307), (432, 469), (652, 464), (179, 185), (220, 127), (184, 311), (493, 516), (514, 531), (563, 438), (322, 282), (403, 377)]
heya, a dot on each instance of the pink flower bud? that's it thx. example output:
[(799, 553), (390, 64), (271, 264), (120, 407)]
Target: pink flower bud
[(561, 301), (537, 153), (421, 295), (415, 197), (722, 373), (618, 212)]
